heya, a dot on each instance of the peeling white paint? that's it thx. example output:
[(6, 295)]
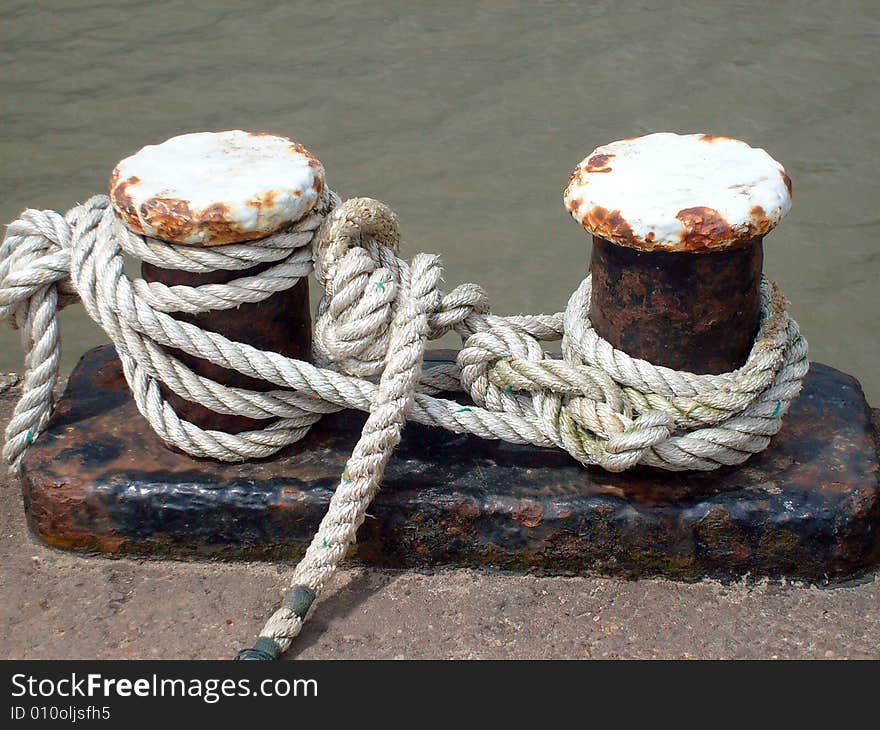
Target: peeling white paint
[(649, 180), (244, 183)]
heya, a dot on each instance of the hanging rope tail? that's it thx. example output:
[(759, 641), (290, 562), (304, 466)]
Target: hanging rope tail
[(373, 323)]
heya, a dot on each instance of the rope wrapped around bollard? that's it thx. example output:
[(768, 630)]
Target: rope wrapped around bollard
[(376, 315)]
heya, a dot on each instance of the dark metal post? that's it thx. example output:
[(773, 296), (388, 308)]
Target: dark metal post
[(282, 323), (695, 312)]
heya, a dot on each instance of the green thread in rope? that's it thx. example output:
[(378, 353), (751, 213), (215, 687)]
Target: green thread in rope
[(463, 410), (380, 285), (509, 390), (777, 409), (324, 542), (29, 437)]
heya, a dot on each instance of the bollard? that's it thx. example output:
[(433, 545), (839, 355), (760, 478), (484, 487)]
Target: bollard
[(678, 223), (216, 188)]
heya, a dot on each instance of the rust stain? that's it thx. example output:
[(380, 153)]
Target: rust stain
[(290, 494), (710, 138), (759, 224), (215, 219), (122, 201), (468, 509), (787, 180), (575, 178), (170, 218), (610, 225), (173, 219), (264, 200), (81, 541), (704, 229), (528, 514), (598, 163)]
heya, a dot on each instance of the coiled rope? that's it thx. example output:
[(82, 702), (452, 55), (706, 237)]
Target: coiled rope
[(375, 317)]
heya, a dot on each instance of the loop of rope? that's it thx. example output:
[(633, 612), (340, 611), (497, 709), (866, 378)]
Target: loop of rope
[(375, 317)]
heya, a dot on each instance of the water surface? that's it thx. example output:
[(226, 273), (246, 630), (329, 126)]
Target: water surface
[(466, 117)]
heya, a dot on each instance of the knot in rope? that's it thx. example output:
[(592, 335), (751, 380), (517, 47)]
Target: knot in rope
[(606, 408)]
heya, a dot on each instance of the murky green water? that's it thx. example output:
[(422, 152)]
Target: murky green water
[(467, 117)]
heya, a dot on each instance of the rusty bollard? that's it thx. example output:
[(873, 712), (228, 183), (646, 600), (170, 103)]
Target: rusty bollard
[(678, 223), (215, 188)]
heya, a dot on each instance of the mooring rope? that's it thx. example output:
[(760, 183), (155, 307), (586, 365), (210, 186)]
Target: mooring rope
[(375, 317)]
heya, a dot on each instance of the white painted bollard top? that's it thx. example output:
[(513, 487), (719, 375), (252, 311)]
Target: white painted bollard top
[(678, 192), (211, 188)]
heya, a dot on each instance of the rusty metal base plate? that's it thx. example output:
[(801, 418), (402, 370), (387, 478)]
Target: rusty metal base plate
[(99, 480)]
